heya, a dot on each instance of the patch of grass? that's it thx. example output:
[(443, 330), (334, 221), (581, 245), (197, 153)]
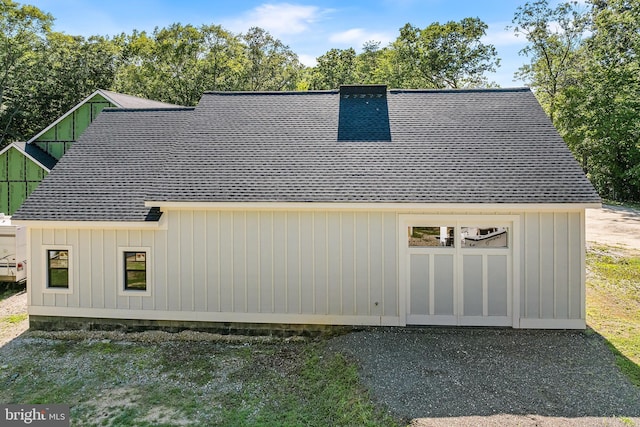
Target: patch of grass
[(14, 318), (190, 383), (613, 304)]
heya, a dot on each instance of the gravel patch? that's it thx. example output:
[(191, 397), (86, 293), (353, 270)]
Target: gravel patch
[(478, 376)]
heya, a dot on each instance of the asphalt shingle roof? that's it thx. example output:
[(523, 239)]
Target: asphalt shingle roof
[(432, 146), (106, 173)]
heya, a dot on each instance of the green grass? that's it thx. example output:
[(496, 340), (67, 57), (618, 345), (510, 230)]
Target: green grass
[(613, 304), (14, 318), (192, 383)]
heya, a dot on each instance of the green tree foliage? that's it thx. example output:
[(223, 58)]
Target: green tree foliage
[(442, 55), (554, 36), (23, 30), (449, 55), (269, 64), (177, 64), (335, 68), (585, 68)]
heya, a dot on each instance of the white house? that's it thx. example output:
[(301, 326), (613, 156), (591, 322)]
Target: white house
[(345, 207)]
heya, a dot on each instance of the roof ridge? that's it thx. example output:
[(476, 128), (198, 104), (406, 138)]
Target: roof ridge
[(136, 110), (465, 90), (283, 92)]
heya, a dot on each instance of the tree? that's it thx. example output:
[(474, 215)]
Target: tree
[(599, 114), (554, 37), (72, 68), (336, 67), (270, 64), (438, 56), (22, 36), (177, 64)]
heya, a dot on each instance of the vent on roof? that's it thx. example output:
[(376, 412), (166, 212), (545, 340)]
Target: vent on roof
[(363, 91), (363, 114)]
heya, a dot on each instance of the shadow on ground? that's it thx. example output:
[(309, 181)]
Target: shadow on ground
[(454, 372)]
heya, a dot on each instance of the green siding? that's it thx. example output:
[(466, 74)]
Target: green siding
[(19, 176), (57, 140), (16, 165)]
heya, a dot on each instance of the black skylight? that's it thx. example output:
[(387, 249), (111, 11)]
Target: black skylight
[(364, 113)]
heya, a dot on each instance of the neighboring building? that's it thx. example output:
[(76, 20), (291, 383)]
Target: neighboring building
[(354, 207), (24, 165)]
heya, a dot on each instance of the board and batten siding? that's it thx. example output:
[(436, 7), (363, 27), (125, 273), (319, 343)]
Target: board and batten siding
[(253, 266), (313, 267)]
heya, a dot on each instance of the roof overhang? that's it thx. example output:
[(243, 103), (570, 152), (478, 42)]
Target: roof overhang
[(404, 207), (86, 225)]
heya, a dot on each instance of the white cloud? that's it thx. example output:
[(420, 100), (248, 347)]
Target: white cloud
[(308, 60), (356, 37), (498, 35), (279, 19)]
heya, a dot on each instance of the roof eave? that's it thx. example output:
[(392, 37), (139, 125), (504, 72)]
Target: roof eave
[(373, 206)]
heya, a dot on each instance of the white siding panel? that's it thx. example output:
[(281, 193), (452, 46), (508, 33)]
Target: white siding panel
[(212, 261), (376, 264), (390, 262), (547, 255), (239, 262), (226, 261), (36, 273), (306, 283), (199, 259), (293, 262), (280, 266), (110, 269), (348, 263), (253, 260), (266, 260), (320, 254), (84, 270), (531, 282), (185, 260), (334, 262), (561, 266), (576, 293), (362, 245), (160, 291), (173, 261), (97, 269)]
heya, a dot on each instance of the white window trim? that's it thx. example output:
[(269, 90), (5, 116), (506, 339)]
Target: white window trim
[(149, 260), (45, 268)]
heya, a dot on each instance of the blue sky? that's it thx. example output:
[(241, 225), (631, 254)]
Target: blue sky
[(309, 27)]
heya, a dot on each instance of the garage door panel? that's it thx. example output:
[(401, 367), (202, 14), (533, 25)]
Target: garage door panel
[(419, 282), (497, 277), (443, 284), (472, 285)]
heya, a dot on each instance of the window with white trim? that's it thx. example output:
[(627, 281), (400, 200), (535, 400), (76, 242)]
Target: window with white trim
[(431, 236), (58, 268), (135, 271)]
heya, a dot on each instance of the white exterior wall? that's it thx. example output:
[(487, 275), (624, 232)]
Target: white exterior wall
[(314, 267)]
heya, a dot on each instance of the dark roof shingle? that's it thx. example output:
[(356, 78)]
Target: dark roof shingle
[(442, 146)]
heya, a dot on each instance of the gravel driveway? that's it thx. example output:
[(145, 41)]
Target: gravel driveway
[(484, 376)]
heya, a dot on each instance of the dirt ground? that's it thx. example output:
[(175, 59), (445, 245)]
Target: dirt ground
[(614, 225)]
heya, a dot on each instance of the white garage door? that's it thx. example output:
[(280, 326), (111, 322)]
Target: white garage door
[(458, 271)]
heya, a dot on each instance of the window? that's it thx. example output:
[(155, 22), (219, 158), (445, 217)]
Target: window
[(484, 237), (135, 271), (431, 236), (58, 268)]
